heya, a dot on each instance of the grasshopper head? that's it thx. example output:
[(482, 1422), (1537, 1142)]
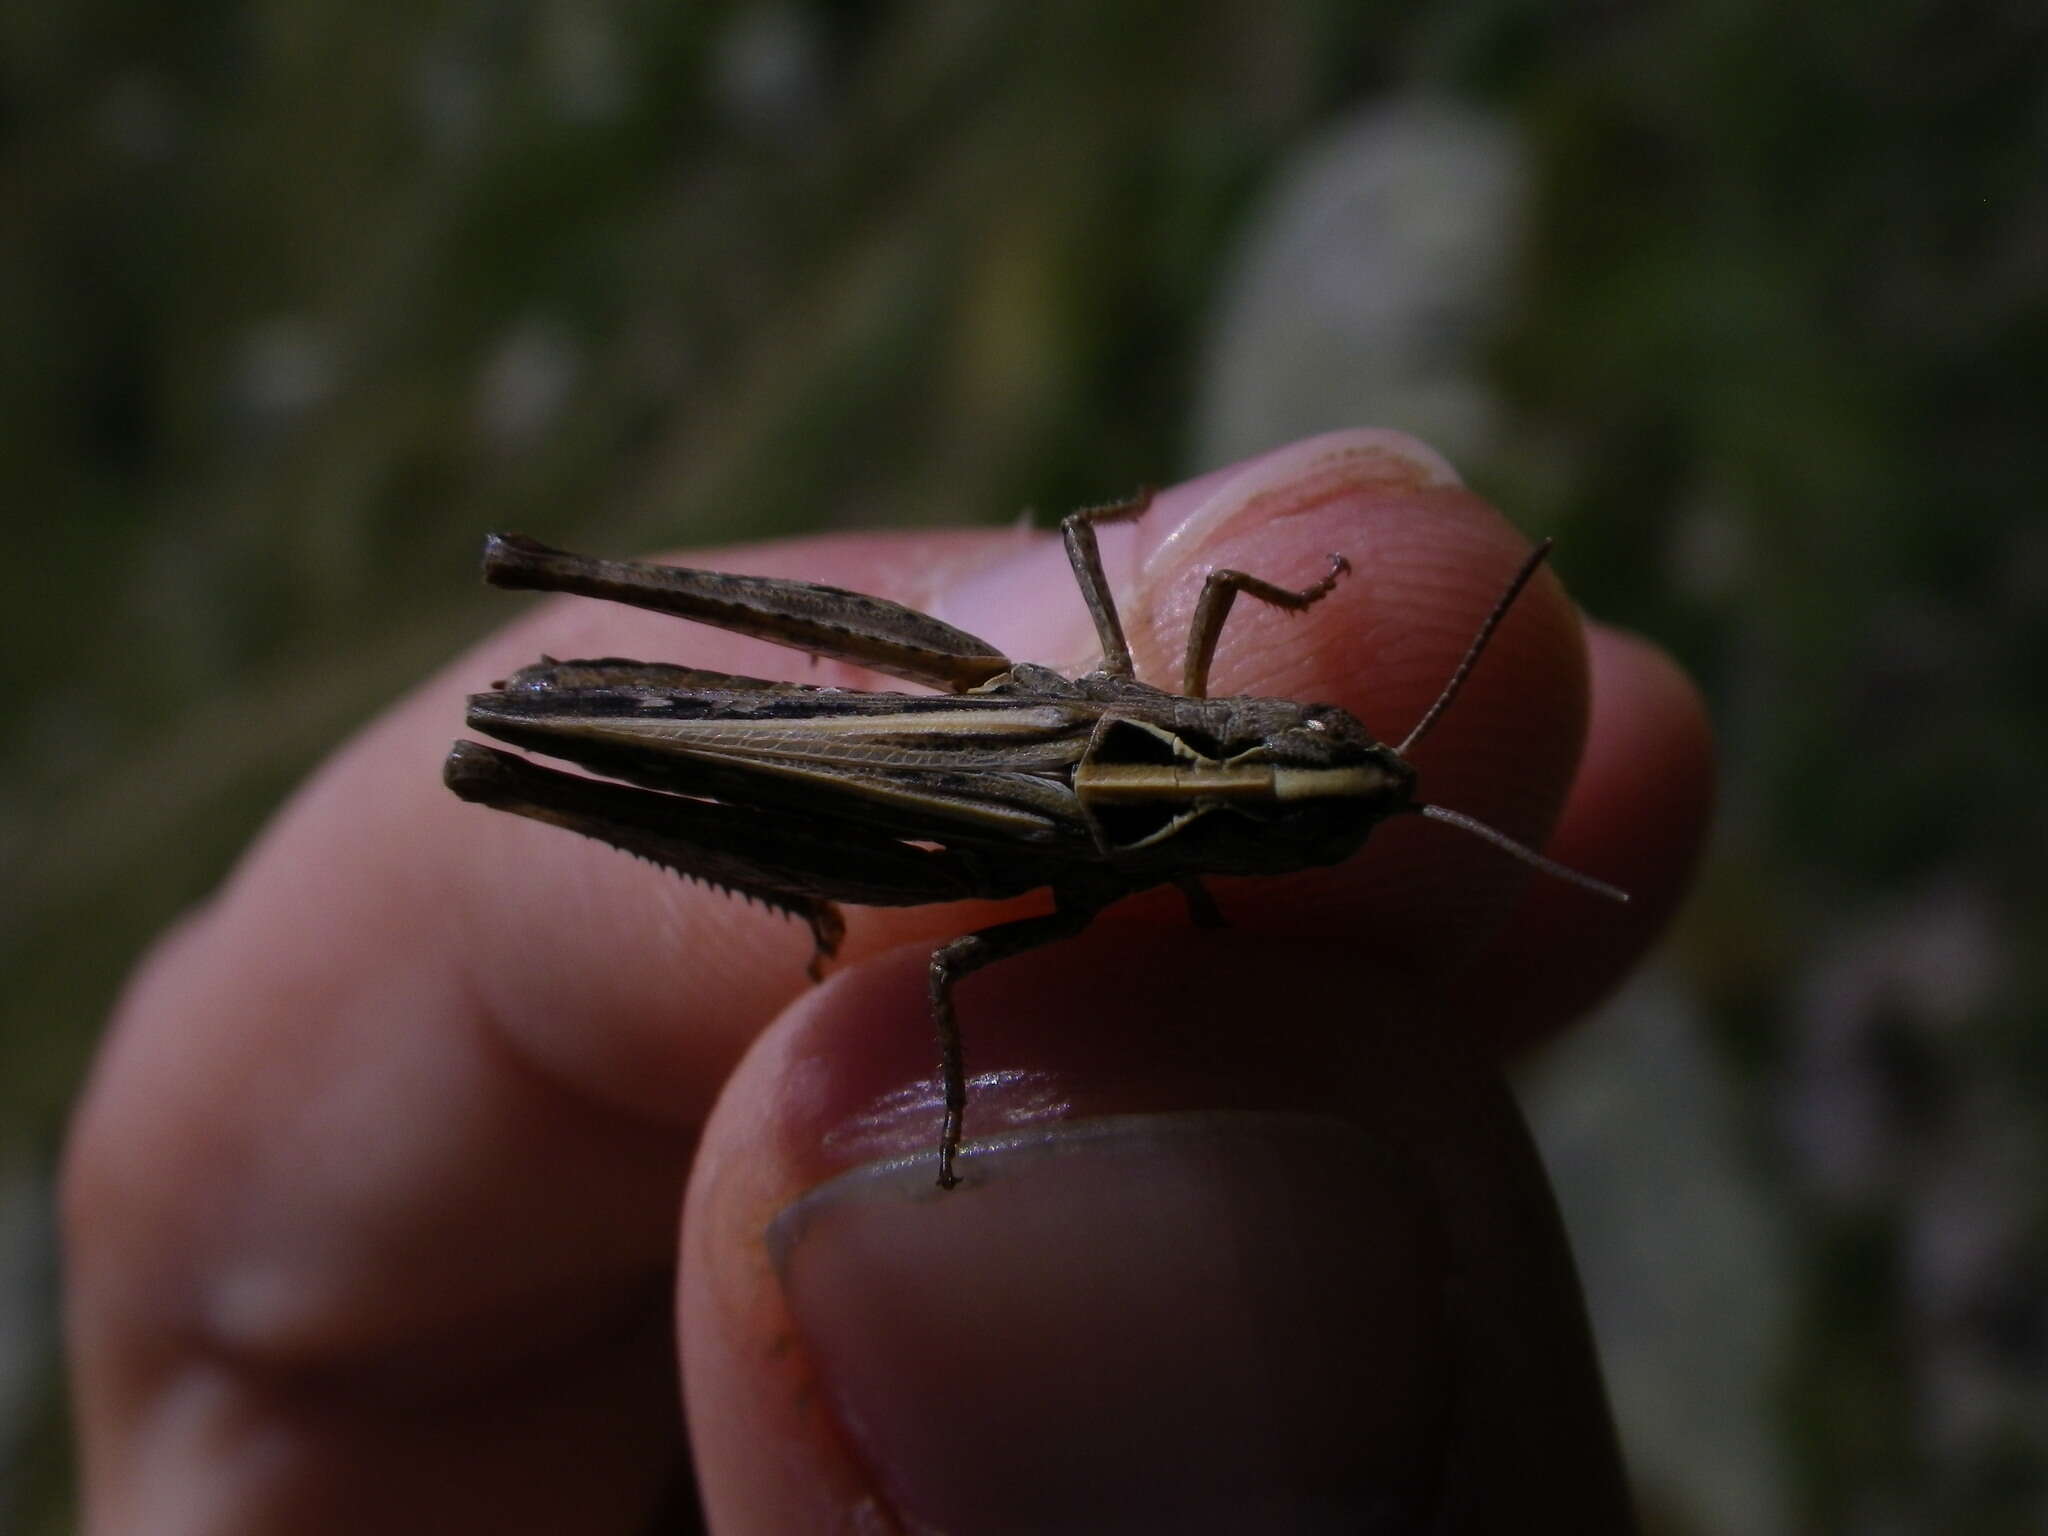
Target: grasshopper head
[(1329, 761), (1332, 783), (1332, 759)]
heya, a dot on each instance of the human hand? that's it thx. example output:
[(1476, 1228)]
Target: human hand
[(375, 1209)]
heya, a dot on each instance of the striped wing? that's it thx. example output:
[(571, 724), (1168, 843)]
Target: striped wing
[(990, 766)]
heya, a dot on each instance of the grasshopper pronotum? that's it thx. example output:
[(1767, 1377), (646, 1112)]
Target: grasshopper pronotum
[(803, 797)]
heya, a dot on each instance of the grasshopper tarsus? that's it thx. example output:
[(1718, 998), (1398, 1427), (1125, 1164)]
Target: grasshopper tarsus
[(828, 932), (1015, 780), (1201, 904)]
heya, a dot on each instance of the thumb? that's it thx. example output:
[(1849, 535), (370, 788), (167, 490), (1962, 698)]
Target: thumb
[(1186, 1286)]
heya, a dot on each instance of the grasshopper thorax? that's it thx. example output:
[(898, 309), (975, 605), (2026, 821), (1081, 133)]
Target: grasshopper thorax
[(1239, 786)]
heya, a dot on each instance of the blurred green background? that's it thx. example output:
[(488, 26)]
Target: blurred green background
[(1743, 300)]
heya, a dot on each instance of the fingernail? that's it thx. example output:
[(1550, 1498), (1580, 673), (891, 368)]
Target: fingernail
[(1359, 462), (1183, 1322)]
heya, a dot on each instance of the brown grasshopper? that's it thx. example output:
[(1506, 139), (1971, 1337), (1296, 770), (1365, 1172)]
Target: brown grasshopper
[(803, 797)]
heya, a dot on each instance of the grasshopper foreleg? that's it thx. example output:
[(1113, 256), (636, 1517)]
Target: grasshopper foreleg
[(962, 957)]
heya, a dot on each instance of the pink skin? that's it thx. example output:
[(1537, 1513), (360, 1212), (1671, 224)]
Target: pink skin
[(373, 1205)]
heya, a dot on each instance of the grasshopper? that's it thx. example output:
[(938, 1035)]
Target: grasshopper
[(1014, 778)]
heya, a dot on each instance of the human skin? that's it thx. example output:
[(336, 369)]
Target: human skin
[(426, 1159)]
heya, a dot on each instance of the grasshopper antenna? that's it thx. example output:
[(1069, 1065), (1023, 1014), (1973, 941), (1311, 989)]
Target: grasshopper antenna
[(1472, 652), (1435, 713), (1526, 854)]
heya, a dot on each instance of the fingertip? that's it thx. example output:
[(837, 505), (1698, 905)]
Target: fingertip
[(1642, 803), (1181, 1274), (1638, 816), (1429, 563)]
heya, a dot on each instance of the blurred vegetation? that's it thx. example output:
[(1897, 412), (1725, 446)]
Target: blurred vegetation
[(300, 298)]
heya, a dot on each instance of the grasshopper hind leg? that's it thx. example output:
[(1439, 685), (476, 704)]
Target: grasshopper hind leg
[(828, 930), (1202, 909), (962, 957)]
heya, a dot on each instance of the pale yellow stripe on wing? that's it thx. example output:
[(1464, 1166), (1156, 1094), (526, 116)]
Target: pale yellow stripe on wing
[(1016, 804), (982, 796), (1131, 783), (1029, 738)]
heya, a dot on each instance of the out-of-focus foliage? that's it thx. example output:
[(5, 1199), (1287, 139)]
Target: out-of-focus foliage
[(297, 299), (1786, 304)]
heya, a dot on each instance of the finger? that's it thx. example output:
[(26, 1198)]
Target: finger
[(1253, 1247), (1639, 812)]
